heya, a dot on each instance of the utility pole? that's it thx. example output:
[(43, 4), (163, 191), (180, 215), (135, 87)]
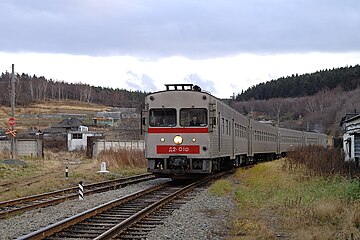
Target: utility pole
[(12, 109)]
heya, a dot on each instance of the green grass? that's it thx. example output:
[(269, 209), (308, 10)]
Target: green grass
[(221, 187), (13, 171), (265, 182), (271, 200)]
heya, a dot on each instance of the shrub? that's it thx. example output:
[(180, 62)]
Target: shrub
[(320, 161), (122, 158)]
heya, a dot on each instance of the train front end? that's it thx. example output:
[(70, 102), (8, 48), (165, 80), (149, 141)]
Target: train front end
[(177, 132)]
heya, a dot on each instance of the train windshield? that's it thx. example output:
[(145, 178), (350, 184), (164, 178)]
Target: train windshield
[(162, 117), (192, 117)]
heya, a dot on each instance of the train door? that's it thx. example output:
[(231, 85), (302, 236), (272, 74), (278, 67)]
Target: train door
[(219, 133), (144, 119), (232, 131), (250, 138), (145, 125)]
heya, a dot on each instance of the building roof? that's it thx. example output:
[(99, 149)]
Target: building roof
[(70, 122), (350, 124), (29, 133), (63, 126), (349, 117)]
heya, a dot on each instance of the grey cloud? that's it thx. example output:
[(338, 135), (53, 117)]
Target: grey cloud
[(194, 29), (206, 85), (142, 83), (147, 83)]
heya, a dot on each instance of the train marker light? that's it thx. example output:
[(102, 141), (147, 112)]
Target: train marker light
[(193, 140), (162, 139), (178, 140)]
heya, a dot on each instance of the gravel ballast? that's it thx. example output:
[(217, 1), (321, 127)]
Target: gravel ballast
[(203, 217)]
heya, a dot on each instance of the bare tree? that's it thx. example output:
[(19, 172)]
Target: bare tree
[(85, 92), (18, 88), (311, 105), (60, 89), (31, 88), (276, 107)]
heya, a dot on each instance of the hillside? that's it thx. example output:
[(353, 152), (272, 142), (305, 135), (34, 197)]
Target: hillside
[(346, 78), (320, 112), (33, 89), (26, 116)]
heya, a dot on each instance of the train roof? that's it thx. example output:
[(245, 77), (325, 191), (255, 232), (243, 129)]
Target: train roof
[(183, 87)]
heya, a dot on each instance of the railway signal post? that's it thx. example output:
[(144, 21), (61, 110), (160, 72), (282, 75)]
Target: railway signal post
[(12, 133), (12, 120)]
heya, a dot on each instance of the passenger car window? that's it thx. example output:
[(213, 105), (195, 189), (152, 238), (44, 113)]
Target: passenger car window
[(193, 117), (162, 117)]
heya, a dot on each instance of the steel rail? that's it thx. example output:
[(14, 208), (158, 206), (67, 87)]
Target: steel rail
[(63, 197), (57, 227), (122, 226)]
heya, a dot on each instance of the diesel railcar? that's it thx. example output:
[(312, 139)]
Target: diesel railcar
[(190, 132)]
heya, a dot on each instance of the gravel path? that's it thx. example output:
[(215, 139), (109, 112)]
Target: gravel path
[(204, 217)]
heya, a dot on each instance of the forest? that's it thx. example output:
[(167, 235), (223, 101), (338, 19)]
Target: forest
[(321, 112), (347, 78), (31, 89)]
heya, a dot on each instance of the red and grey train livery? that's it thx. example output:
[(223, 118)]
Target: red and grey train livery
[(190, 132)]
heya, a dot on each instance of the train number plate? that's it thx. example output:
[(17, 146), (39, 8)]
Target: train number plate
[(167, 149)]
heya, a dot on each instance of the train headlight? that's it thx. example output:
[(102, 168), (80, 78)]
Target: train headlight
[(178, 140), (162, 139), (193, 140)]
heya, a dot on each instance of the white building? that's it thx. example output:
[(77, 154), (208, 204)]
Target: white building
[(351, 136), (77, 140)]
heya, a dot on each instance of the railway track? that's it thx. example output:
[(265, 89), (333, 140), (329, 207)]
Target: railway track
[(15, 206), (6, 186), (129, 217)]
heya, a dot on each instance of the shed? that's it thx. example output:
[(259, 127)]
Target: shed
[(77, 140), (350, 125)]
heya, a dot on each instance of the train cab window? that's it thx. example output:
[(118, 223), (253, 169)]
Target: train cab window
[(162, 117), (193, 117)]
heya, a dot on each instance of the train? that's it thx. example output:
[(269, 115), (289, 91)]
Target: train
[(190, 133)]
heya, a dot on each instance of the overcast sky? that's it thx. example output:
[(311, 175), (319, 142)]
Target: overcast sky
[(225, 46)]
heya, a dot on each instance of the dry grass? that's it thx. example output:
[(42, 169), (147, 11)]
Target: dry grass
[(320, 161), (48, 174), (121, 158), (54, 107), (329, 211), (47, 107), (276, 203), (64, 106)]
